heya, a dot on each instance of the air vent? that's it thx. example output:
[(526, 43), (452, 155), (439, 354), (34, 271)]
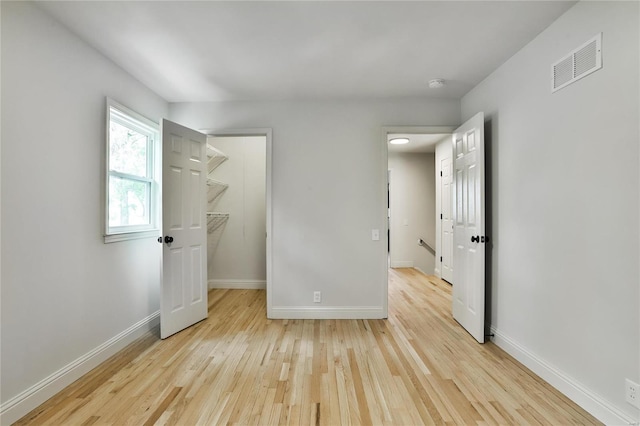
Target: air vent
[(581, 62)]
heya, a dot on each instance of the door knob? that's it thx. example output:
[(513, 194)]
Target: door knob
[(168, 239), (479, 239)]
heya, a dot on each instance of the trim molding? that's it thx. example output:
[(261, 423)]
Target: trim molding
[(402, 263), (238, 284), (327, 312), (24, 402), (593, 403)]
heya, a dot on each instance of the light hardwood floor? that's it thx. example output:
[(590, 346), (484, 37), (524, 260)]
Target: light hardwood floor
[(418, 367)]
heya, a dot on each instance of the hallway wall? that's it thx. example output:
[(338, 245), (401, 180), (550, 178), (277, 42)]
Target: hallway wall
[(413, 210)]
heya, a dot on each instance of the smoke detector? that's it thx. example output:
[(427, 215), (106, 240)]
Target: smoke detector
[(436, 83)]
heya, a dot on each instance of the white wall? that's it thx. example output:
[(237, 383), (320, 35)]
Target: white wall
[(412, 210), (328, 192), (64, 292), (237, 252), (564, 274), (564, 201)]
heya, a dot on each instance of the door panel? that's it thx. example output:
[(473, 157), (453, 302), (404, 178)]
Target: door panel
[(459, 189), (177, 278), (198, 280), (469, 253), (446, 269), (174, 184), (196, 207), (471, 196), (184, 291)]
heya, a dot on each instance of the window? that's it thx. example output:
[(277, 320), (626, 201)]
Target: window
[(132, 175)]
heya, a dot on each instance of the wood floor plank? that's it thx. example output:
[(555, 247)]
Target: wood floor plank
[(163, 406), (239, 368)]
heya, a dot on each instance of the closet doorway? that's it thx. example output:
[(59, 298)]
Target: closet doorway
[(238, 209)]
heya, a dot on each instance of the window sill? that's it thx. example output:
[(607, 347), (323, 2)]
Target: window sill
[(125, 236)]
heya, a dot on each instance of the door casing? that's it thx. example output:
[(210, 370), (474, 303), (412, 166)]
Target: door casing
[(384, 167)]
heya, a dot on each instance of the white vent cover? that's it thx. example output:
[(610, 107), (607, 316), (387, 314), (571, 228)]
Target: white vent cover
[(581, 62)]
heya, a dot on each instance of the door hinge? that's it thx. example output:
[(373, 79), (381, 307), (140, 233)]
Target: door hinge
[(440, 258), (440, 216), (440, 172)]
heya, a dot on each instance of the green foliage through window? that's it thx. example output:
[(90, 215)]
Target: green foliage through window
[(131, 171)]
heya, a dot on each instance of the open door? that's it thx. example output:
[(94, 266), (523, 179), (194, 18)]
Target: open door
[(183, 296), (469, 222), (446, 219)]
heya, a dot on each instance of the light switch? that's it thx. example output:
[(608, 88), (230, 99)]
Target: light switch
[(375, 234)]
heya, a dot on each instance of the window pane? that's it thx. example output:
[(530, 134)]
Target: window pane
[(127, 150), (129, 202)]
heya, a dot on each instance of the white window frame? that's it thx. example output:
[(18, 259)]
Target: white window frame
[(141, 124)]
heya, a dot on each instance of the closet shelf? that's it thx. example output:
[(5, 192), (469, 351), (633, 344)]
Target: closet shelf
[(215, 189), (213, 182), (215, 220), (216, 157), (217, 214)]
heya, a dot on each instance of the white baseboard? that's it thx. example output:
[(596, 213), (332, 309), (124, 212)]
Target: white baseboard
[(402, 263), (238, 284), (437, 273), (327, 312), (23, 403), (590, 401)]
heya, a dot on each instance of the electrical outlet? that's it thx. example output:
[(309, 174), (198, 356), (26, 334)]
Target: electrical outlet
[(632, 393), (317, 297)]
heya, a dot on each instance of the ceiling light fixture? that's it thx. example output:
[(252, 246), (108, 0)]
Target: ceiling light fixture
[(436, 83), (398, 141)]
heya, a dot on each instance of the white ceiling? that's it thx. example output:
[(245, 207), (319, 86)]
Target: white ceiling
[(238, 50)]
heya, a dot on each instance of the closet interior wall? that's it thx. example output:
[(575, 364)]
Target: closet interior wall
[(237, 213)]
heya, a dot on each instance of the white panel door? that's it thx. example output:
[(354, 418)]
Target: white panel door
[(468, 222), (183, 297), (446, 268)]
